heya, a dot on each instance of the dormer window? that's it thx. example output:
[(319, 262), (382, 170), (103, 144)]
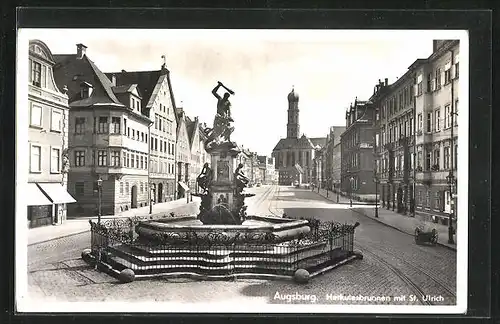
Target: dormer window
[(85, 90)]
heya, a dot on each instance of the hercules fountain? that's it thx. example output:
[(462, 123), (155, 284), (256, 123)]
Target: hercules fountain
[(222, 241)]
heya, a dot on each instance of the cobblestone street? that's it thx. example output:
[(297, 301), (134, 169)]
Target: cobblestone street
[(393, 265)]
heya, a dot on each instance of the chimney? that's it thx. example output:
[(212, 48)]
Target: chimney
[(123, 71), (386, 82), (113, 80), (80, 51)]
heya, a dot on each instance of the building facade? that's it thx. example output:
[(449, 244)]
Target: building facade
[(394, 142), (47, 194), (294, 155), (199, 156), (183, 155), (158, 104), (357, 155), (437, 107), (108, 138)]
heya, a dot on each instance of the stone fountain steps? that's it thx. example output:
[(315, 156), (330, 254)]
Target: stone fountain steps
[(221, 261)]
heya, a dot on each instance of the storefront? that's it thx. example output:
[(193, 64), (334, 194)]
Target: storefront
[(47, 204), (39, 207)]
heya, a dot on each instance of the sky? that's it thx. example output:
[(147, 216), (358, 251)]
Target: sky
[(327, 68)]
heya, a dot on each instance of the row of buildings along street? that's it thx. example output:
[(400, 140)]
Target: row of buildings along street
[(400, 145), (104, 143)]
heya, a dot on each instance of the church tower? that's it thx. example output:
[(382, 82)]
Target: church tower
[(292, 128)]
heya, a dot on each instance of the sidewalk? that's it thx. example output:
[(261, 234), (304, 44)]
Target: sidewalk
[(77, 225), (332, 196), (403, 223), (407, 224)]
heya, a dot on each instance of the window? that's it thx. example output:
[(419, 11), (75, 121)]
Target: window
[(436, 159), (79, 188), (455, 160), (36, 73), (35, 158), (428, 127), (156, 121), (103, 125), (161, 146), (55, 160), (137, 160), (156, 144), (36, 116), (142, 187), (420, 122), (124, 126), (132, 159), (115, 158), (124, 159), (115, 125), (456, 70), (128, 132), (438, 78), (419, 200), (447, 116), (427, 159), (142, 162), (437, 120), (446, 165), (55, 120), (447, 73), (152, 143), (102, 157), (79, 158), (429, 81), (79, 125), (142, 136), (127, 188), (428, 198), (145, 163), (159, 125), (455, 113), (133, 134), (437, 200), (121, 188)]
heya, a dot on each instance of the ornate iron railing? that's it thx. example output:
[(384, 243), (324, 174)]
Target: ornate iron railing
[(116, 243)]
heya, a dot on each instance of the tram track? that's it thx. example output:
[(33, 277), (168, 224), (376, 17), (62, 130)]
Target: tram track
[(419, 292)]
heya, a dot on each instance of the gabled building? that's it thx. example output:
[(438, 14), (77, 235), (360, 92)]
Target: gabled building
[(183, 154), (108, 138), (158, 103), (293, 150), (198, 155), (46, 194)]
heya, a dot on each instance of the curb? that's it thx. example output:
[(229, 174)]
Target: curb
[(354, 202), (60, 237), (400, 230)]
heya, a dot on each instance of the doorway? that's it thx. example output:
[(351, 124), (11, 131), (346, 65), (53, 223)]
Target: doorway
[(134, 197), (160, 192)]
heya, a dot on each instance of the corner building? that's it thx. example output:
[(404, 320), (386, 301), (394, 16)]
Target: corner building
[(357, 155), (108, 138), (46, 195)]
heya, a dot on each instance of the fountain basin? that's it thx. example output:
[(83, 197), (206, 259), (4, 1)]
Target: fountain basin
[(258, 229)]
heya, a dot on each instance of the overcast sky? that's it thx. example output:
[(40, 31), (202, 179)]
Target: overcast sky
[(327, 68)]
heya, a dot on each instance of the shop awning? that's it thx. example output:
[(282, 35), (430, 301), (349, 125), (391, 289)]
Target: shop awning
[(184, 186), (57, 193), (35, 197)]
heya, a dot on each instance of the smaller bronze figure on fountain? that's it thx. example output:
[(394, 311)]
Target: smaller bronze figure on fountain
[(204, 180), (240, 179)]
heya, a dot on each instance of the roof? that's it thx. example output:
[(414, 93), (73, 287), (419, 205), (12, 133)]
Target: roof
[(146, 82), (71, 71), (125, 88), (191, 126), (321, 141)]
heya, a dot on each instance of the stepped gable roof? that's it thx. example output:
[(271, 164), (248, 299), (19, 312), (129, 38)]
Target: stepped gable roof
[(72, 72)]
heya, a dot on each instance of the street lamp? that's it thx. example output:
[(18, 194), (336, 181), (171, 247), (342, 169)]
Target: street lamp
[(99, 197), (376, 196), (451, 181), (350, 191)]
